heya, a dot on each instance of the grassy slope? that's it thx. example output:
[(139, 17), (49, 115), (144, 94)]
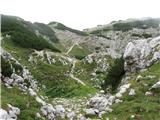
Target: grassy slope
[(23, 33), (53, 76), (63, 27), (79, 52), (143, 107), (27, 104), (84, 70)]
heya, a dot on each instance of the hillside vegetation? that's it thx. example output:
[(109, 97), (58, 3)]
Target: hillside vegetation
[(22, 35), (63, 27), (140, 106), (53, 72)]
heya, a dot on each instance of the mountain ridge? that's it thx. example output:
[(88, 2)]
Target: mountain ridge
[(43, 83)]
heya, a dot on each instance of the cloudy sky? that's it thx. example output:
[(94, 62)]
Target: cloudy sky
[(80, 14)]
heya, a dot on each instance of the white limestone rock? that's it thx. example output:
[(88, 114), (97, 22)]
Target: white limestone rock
[(49, 108), (13, 112), (139, 77), (38, 115), (118, 95), (17, 79), (111, 99), (4, 115), (118, 101), (80, 117), (48, 111), (148, 93), (16, 110), (101, 92), (44, 112), (39, 100), (122, 90), (8, 80), (89, 59), (132, 92), (71, 115), (91, 112), (100, 115), (156, 85), (51, 116), (156, 56), (32, 92), (99, 103), (23, 87), (140, 54), (60, 111), (26, 74)]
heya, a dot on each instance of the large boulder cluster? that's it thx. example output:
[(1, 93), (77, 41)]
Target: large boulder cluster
[(17, 79), (101, 103), (140, 54)]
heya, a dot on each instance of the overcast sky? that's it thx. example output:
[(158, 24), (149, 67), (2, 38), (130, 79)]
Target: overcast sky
[(80, 14)]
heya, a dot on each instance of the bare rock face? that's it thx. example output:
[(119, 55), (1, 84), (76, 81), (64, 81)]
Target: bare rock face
[(140, 54)]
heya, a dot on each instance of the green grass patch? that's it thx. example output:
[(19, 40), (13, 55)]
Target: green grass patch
[(27, 104), (22, 35), (53, 76), (63, 27), (79, 52), (141, 106)]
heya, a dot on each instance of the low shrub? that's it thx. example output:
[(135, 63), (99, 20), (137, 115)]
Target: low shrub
[(122, 27), (114, 74), (6, 68), (145, 35)]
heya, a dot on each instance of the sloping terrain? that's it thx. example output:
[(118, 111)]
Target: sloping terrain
[(144, 105), (56, 72)]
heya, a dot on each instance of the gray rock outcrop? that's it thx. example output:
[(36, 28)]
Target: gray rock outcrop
[(140, 54)]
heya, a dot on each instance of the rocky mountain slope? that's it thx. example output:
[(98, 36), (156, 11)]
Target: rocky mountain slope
[(53, 72)]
